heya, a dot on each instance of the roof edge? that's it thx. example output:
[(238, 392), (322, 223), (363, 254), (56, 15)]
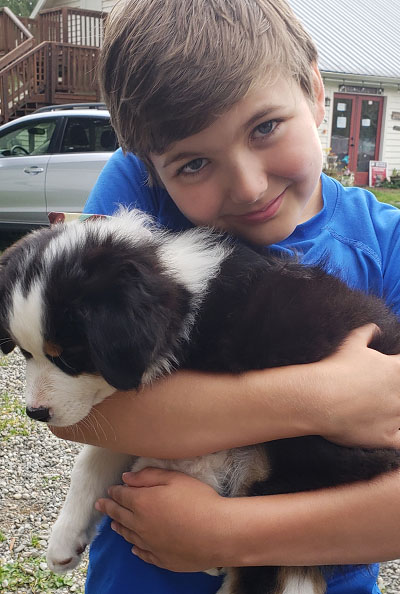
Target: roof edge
[(344, 77), (37, 9)]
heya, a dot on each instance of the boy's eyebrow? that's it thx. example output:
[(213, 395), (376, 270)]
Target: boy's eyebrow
[(179, 157), (263, 112)]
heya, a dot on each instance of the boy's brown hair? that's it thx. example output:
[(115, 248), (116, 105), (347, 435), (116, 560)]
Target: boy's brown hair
[(168, 68)]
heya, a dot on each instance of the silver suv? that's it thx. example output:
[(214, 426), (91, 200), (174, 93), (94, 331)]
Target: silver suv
[(50, 160)]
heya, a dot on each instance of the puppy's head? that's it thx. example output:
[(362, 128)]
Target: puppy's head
[(91, 309)]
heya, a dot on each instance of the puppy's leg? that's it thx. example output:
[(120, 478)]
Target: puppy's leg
[(94, 471)]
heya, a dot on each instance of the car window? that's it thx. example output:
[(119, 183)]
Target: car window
[(84, 135), (30, 138)]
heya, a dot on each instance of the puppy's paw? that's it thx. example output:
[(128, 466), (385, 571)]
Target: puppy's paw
[(65, 548)]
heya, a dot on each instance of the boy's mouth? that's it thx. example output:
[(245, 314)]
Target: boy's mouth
[(265, 213)]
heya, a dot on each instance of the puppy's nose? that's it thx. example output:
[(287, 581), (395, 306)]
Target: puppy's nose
[(38, 414)]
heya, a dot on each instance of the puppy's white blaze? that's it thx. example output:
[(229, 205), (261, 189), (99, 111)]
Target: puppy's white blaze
[(26, 318), (193, 258), (299, 585)]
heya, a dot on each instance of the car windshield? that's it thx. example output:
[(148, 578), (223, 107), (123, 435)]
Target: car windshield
[(31, 138)]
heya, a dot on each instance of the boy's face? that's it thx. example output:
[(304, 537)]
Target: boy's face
[(255, 171)]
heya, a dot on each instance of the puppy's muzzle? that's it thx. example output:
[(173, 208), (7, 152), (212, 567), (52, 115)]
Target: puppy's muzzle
[(39, 414)]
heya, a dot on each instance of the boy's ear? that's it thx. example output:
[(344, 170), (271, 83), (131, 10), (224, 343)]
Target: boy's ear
[(319, 95)]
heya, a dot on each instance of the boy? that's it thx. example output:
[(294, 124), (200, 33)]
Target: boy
[(221, 101)]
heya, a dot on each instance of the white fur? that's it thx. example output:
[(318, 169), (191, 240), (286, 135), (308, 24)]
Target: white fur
[(300, 585), (193, 258), (133, 225), (26, 318), (69, 399), (94, 470)]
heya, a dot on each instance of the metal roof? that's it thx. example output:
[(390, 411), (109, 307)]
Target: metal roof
[(354, 36)]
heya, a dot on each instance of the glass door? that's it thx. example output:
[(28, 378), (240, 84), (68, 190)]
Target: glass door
[(356, 130)]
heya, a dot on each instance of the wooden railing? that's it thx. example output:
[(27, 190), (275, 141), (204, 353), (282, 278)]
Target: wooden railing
[(60, 69), (71, 25), (50, 73), (15, 38)]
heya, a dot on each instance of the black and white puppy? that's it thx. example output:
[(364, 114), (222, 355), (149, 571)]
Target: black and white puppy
[(115, 303)]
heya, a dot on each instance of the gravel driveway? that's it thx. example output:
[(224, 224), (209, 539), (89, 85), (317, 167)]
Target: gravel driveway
[(34, 471)]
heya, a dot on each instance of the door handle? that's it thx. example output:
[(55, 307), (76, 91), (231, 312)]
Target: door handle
[(33, 170)]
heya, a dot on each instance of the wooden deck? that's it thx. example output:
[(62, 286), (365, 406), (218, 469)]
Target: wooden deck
[(49, 60)]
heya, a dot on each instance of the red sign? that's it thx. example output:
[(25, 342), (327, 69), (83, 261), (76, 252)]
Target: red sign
[(377, 172)]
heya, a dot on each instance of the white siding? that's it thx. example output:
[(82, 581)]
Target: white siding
[(61, 3), (391, 138), (107, 5)]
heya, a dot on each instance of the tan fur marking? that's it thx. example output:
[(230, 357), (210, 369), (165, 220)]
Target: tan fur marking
[(54, 350)]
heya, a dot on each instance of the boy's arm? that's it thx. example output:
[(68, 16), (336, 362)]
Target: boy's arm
[(181, 524), (352, 397)]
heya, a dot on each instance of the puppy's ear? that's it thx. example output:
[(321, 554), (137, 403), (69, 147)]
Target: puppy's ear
[(121, 345), (124, 307)]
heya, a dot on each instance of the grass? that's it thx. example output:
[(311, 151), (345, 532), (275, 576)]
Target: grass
[(13, 420), (387, 195), (32, 575)]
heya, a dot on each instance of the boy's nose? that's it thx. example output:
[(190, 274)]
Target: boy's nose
[(247, 187)]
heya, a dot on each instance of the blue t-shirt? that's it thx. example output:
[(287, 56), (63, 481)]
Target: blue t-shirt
[(358, 235)]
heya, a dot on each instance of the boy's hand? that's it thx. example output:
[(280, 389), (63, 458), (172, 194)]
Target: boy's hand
[(362, 406), (174, 521)]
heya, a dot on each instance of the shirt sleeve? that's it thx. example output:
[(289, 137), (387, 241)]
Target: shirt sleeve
[(122, 181), (386, 220)]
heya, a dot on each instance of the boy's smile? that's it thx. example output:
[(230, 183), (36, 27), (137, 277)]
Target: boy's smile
[(255, 170)]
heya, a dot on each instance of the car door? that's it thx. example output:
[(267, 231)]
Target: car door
[(87, 144), (24, 157)]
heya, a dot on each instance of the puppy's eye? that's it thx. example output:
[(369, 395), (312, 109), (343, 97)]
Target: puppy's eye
[(25, 353)]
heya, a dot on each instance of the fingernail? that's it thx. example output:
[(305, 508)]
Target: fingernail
[(114, 526), (97, 506)]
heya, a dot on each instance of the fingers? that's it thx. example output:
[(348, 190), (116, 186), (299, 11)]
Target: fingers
[(146, 556), (148, 477), (123, 520), (122, 514)]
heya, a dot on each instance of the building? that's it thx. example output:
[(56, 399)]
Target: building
[(359, 49)]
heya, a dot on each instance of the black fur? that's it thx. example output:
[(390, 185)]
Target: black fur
[(115, 311)]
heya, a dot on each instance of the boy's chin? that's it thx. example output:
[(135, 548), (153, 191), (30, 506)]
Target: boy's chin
[(263, 237)]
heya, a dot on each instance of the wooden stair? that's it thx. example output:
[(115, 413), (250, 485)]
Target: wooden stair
[(49, 60)]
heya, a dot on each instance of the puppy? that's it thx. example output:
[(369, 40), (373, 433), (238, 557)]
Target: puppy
[(115, 303)]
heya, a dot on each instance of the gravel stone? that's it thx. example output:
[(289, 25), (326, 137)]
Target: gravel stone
[(35, 468)]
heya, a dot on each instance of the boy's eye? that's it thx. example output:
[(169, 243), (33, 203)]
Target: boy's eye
[(194, 166), (265, 129)]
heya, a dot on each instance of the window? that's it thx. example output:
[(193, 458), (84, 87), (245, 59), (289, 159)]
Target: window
[(84, 135), (30, 138)]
